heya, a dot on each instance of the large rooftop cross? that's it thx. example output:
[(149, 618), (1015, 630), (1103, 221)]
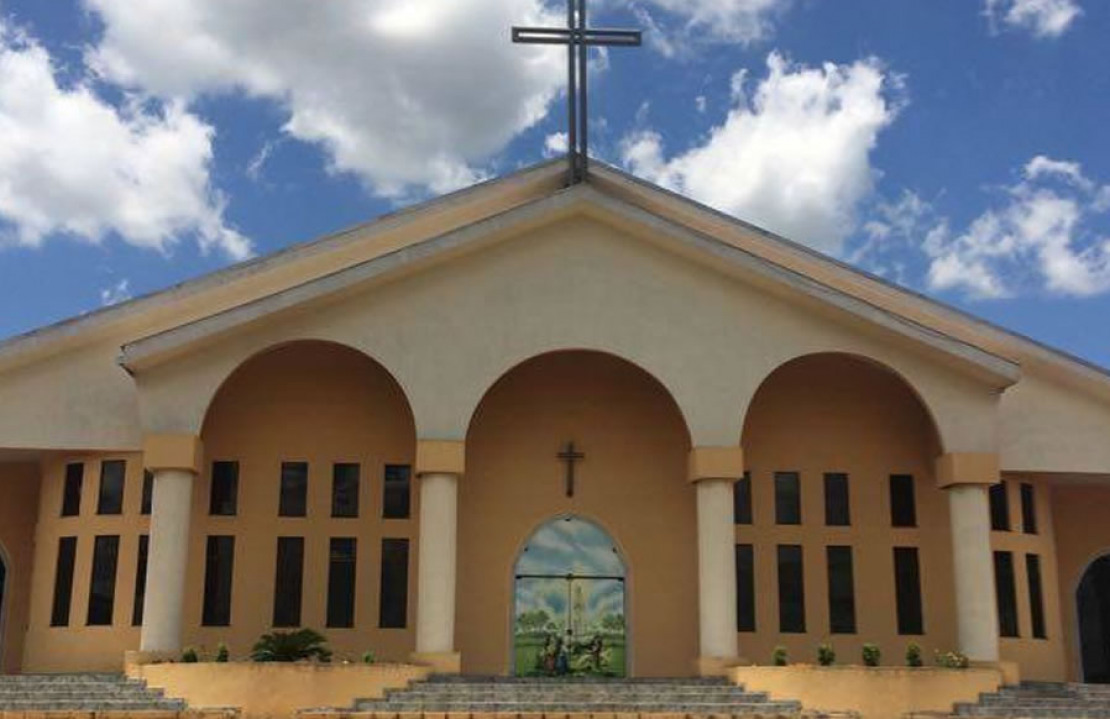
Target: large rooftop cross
[(578, 39)]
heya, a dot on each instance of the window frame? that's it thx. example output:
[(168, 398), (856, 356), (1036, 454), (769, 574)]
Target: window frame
[(292, 497), (788, 510), (107, 504), (898, 504), (835, 484)]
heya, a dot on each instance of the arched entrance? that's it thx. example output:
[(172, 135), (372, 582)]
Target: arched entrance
[(569, 603), (1093, 609), (3, 606)]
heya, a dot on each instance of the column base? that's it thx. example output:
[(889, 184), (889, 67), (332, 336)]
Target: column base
[(1011, 671), (135, 658), (715, 666), (440, 662)]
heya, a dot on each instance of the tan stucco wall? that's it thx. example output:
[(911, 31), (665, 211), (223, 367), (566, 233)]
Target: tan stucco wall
[(1047, 427), (19, 500), (262, 691), (632, 483)]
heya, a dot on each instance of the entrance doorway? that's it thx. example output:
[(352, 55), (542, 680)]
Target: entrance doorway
[(1093, 609), (569, 603), (3, 607)]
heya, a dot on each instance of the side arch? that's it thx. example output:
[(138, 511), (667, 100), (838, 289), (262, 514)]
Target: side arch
[(1092, 619)]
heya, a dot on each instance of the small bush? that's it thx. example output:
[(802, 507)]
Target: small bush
[(368, 657), (913, 655), (779, 657), (222, 653), (189, 656), (952, 660), (826, 655), (291, 647), (871, 655)]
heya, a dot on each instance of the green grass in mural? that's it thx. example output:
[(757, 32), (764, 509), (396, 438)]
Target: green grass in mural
[(527, 662)]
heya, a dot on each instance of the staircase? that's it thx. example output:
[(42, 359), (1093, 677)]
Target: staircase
[(80, 692), (511, 695), (1041, 699)]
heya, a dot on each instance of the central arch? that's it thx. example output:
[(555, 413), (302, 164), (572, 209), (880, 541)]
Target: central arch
[(569, 602), (1092, 599)]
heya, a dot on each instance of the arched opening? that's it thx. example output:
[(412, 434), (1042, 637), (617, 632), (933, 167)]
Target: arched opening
[(1092, 600), (631, 480), (3, 603), (569, 602)]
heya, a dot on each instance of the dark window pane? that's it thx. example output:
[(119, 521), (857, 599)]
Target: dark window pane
[(102, 585), (907, 590), (147, 501), (110, 499), (842, 593), (745, 588), (788, 498), (1000, 507), (1036, 595), (219, 564), (344, 490), (63, 581), (742, 500), (1005, 590), (223, 500), (341, 583), (288, 581), (294, 489), (140, 581), (837, 512), (393, 608), (903, 504), (396, 491), (71, 497), (1028, 510), (792, 598)]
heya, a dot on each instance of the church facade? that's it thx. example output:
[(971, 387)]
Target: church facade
[(533, 429)]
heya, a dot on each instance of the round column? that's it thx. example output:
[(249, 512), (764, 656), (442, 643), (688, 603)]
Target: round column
[(435, 609), (973, 567), (167, 561), (716, 573)]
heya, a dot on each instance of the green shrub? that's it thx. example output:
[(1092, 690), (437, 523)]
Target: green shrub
[(779, 657), (952, 660), (291, 647), (913, 655), (189, 656), (368, 657), (826, 655), (872, 655), (222, 653)]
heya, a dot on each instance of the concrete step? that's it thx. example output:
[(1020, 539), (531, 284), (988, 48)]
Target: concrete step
[(81, 692)]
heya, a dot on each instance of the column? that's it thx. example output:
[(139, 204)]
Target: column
[(714, 470), (439, 465), (967, 477), (174, 461)]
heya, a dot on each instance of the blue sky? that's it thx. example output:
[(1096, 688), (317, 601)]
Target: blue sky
[(955, 146)]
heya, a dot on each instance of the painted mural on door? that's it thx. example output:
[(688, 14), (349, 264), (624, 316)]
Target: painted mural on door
[(569, 608)]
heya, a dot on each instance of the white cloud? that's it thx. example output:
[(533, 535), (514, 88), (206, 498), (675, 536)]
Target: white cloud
[(700, 21), (71, 163), (1042, 18), (555, 144), (793, 155), (407, 94), (119, 292)]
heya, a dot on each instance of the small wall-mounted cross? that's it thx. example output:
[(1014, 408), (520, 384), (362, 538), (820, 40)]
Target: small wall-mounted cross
[(570, 455)]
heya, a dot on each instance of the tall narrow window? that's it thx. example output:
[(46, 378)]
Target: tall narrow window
[(71, 496), (907, 591), (140, 581), (102, 584), (1028, 509), (1036, 596), (742, 500), (393, 607), (792, 596), (344, 490), (842, 592), (288, 581), (63, 582), (837, 512), (219, 566), (294, 489), (1000, 507), (341, 583), (110, 499), (745, 588), (788, 498), (903, 503), (1005, 590), (223, 500), (396, 491), (146, 502)]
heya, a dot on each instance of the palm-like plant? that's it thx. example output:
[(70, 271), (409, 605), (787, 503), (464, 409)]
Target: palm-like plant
[(291, 647)]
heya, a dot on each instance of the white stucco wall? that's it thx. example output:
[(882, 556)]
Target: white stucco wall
[(1047, 427)]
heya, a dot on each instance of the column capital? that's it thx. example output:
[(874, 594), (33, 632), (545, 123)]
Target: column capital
[(173, 451), (715, 463), (956, 468), (440, 456)]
